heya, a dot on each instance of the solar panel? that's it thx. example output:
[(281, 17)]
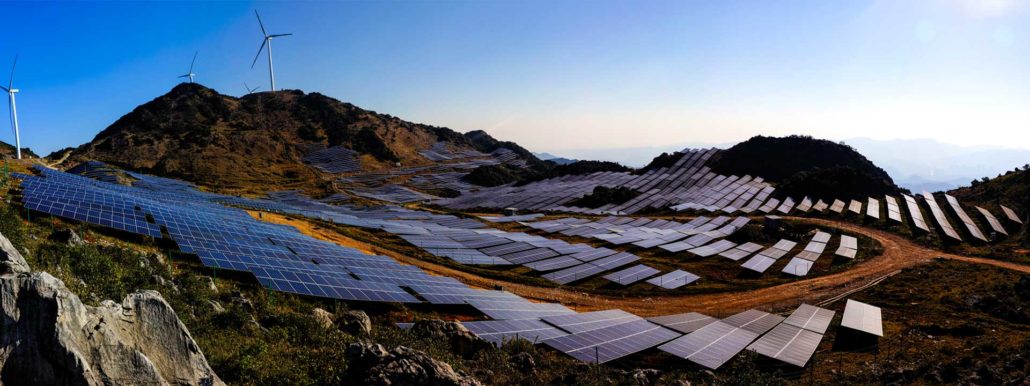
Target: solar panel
[(712, 345), (838, 206), (499, 331), (758, 263), (632, 274), (685, 322), (855, 207), (938, 215), (848, 247), (992, 221), (609, 343), (915, 213), (873, 208), (457, 295), (862, 317), (798, 267), (788, 343), (811, 318), (756, 321), (588, 321), (713, 248), (964, 217), (553, 263), (1011, 214), (520, 309), (893, 210), (674, 279)]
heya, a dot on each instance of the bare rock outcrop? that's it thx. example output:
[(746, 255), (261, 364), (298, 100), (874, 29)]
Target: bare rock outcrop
[(461, 340), (372, 364), (49, 337)]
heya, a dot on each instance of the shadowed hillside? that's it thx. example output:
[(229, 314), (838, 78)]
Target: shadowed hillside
[(7, 150), (803, 165), (217, 140), (1011, 189)]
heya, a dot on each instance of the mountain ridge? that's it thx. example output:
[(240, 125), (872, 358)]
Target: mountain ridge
[(195, 133)]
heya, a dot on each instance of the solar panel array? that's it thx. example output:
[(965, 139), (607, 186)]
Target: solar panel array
[(801, 263), (761, 261), (717, 342), (336, 159), (632, 274), (687, 184), (685, 322), (838, 206)]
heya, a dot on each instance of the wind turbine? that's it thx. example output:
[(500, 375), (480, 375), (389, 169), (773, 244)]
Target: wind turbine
[(250, 90), (14, 108), (266, 41), (190, 74)]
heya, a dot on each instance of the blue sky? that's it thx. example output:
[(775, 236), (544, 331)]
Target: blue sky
[(552, 75)]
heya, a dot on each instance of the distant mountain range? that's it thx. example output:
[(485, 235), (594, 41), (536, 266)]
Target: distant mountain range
[(553, 158), (926, 164)]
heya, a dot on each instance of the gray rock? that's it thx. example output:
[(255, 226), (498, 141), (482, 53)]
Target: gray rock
[(646, 377), (243, 302), (356, 323), (11, 261), (51, 337), (210, 283), (158, 279), (461, 340), (67, 236), (323, 317), (216, 307), (373, 365), (157, 258)]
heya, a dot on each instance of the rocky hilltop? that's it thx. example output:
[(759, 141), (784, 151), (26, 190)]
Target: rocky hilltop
[(49, 337), (199, 135)]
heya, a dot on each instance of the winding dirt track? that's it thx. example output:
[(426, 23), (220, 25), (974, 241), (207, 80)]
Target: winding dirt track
[(898, 253)]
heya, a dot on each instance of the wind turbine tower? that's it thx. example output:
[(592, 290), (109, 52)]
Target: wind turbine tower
[(266, 41), (190, 73), (14, 108)]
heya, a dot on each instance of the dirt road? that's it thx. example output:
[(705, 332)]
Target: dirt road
[(898, 253)]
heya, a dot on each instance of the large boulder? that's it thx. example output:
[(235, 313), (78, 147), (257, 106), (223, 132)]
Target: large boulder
[(49, 337), (356, 323), (461, 340), (11, 261), (67, 236), (323, 317), (373, 365)]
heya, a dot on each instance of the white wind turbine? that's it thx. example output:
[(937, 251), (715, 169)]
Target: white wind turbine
[(14, 108), (190, 73), (266, 41), (250, 90)]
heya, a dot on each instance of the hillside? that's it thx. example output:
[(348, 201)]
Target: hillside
[(1011, 189), (7, 150), (216, 140), (804, 165)]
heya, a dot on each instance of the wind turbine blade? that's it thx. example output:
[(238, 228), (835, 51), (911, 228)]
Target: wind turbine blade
[(10, 85), (194, 61), (275, 36), (184, 76), (263, 33), (263, 42)]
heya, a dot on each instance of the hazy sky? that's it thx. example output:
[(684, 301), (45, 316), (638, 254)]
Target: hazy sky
[(551, 75)]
